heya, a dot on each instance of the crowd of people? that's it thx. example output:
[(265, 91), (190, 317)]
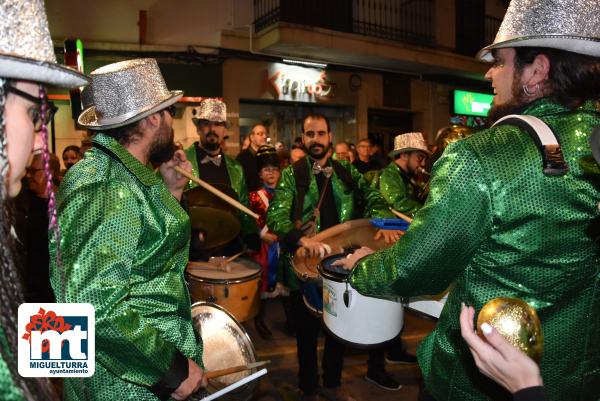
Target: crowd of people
[(509, 211)]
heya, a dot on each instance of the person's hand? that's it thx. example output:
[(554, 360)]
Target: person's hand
[(313, 248), (195, 380), (390, 236), (269, 238), (350, 260), (174, 181), (498, 359)]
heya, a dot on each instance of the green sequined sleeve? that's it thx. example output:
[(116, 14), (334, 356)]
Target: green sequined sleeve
[(97, 257), (442, 238), (395, 193), (375, 206), (279, 214)]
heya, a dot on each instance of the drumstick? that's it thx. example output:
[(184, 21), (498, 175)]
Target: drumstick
[(224, 372), (216, 192), (402, 216)]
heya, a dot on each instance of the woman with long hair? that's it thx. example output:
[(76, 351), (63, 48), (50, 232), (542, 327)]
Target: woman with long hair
[(27, 63)]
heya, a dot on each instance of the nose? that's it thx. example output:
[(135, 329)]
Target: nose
[(488, 74)]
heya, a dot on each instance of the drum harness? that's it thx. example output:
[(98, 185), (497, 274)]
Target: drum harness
[(302, 179)]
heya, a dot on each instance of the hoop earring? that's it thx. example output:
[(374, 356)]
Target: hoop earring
[(530, 93)]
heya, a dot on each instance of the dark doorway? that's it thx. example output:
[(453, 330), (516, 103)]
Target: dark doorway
[(384, 125)]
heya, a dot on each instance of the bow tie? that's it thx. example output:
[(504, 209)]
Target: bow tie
[(216, 160), (327, 171)]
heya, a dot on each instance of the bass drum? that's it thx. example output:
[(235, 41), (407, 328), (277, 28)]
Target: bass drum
[(225, 344)]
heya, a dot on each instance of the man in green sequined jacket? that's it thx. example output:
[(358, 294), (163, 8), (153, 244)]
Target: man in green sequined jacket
[(495, 225), (347, 196), (396, 182), (212, 165), (124, 244)]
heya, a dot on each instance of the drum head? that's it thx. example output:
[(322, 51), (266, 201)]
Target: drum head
[(327, 269), (225, 344), (240, 269)]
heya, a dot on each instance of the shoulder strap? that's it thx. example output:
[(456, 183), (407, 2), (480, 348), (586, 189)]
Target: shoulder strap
[(301, 178), (553, 161)]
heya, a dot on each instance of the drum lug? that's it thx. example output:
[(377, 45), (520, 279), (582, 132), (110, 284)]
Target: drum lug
[(211, 299), (346, 296), (226, 292)]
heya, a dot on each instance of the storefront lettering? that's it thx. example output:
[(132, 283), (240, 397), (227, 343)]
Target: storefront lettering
[(298, 83)]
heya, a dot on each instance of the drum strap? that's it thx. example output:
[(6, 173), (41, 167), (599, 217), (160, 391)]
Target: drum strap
[(553, 161)]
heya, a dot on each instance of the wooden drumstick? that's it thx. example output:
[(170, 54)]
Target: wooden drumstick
[(224, 372), (216, 192), (402, 216)]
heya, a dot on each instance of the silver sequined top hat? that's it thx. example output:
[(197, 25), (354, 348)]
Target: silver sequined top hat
[(409, 142), (26, 50), (213, 110), (126, 92), (571, 25)]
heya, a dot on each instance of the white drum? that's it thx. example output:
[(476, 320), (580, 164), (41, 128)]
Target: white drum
[(428, 305), (362, 322)]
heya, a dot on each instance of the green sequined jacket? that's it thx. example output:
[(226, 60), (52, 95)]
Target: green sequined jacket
[(495, 226), (397, 191), (238, 183), (348, 204), (9, 391), (124, 249)]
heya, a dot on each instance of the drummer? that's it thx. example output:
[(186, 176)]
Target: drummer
[(124, 242), (212, 165), (301, 185), (396, 182)]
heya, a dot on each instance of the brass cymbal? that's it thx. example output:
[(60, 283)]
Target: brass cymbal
[(214, 219)]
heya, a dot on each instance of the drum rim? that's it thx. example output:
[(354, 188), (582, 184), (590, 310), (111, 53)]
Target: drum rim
[(337, 277), (223, 281), (243, 329)]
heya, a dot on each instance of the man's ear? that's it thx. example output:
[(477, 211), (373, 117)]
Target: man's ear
[(539, 70), (153, 120)]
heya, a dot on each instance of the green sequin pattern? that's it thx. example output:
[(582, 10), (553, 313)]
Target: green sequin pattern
[(401, 195), (124, 248), (495, 226)]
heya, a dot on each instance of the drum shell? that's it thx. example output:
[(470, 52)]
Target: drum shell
[(240, 297), (365, 322)]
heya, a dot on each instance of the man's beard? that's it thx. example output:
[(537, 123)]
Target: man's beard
[(208, 145), (163, 148), (317, 151), (515, 106)]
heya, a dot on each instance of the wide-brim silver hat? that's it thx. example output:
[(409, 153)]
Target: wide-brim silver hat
[(568, 25), (26, 50), (125, 92), (411, 141)]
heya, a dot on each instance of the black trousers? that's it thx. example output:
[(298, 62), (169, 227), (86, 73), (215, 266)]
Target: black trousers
[(308, 327)]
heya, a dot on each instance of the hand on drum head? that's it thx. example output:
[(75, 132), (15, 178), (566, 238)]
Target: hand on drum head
[(195, 380), (350, 260), (314, 248), (390, 236), (496, 358)]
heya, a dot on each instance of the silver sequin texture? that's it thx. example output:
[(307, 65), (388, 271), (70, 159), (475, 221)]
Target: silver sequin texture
[(558, 17), (212, 110), (24, 30)]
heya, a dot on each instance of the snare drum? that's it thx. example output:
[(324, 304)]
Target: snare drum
[(236, 290), (225, 344), (360, 321)]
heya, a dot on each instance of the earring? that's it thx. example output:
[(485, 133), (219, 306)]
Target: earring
[(530, 93)]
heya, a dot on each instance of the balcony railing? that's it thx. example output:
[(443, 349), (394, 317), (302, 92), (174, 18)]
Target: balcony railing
[(408, 21)]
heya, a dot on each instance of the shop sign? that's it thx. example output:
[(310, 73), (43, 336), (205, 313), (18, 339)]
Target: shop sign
[(290, 82), (472, 103)]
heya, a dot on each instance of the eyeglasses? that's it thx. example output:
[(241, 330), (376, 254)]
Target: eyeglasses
[(269, 169), (172, 110), (36, 114)]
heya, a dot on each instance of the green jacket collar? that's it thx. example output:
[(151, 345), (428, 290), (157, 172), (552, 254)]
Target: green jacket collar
[(116, 151)]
